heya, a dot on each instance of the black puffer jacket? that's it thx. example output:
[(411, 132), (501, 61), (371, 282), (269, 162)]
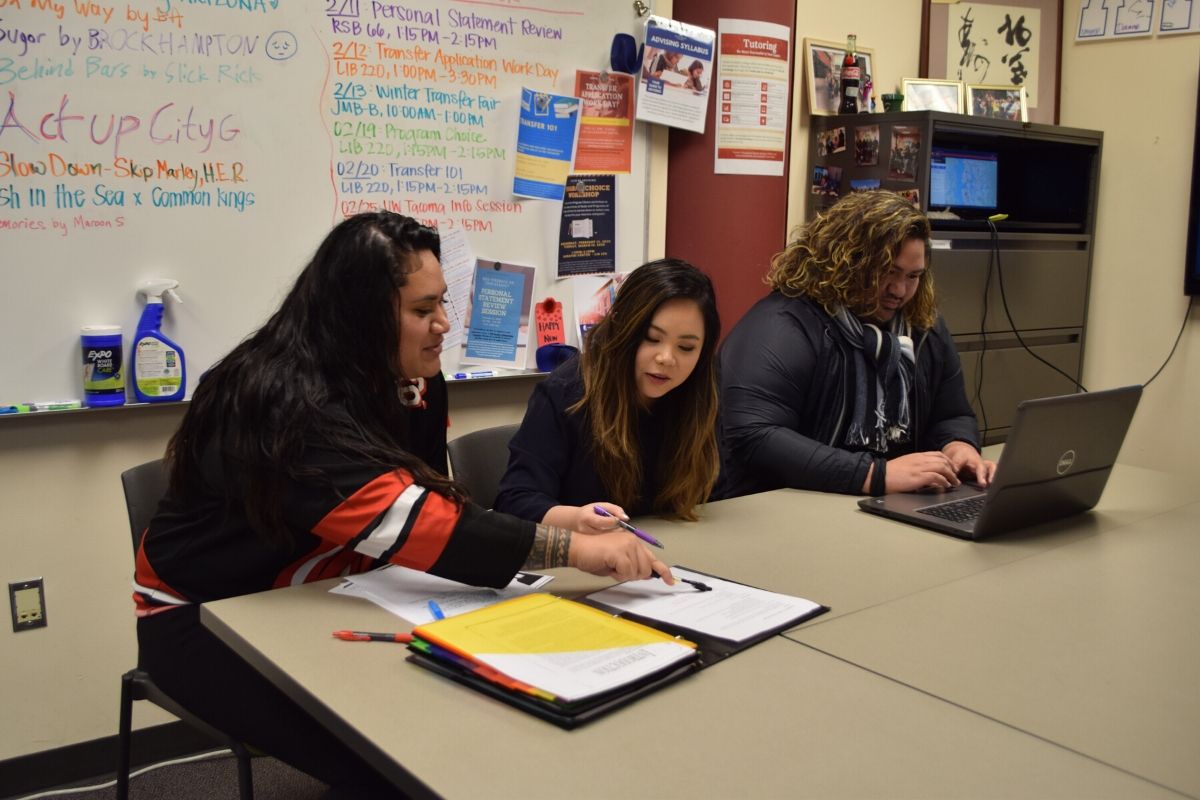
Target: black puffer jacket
[(784, 398)]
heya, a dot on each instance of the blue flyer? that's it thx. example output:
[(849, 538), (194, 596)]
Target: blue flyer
[(500, 301), (546, 133)]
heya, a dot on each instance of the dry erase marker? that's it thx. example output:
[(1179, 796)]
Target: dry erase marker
[(645, 537), (56, 405), (367, 636), (436, 610)]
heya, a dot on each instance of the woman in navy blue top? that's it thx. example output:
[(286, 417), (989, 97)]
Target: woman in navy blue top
[(631, 424)]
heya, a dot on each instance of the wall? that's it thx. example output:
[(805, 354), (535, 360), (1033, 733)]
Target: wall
[(63, 515), (700, 227), (1148, 116), (892, 30), (63, 518)]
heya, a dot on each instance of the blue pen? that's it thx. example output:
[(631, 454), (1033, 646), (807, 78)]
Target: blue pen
[(645, 537), (436, 610)]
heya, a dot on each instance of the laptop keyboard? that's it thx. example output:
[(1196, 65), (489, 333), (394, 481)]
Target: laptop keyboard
[(957, 511)]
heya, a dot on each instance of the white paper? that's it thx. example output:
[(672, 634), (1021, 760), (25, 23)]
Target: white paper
[(730, 611), (676, 74), (752, 94), (407, 592), (458, 264)]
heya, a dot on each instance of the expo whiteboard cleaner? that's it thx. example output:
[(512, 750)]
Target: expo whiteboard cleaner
[(158, 370)]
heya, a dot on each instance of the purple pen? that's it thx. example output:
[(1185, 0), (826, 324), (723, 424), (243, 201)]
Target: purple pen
[(645, 537)]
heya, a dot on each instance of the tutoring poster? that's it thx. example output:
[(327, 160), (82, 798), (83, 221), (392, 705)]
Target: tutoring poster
[(752, 97), (586, 238), (676, 74), (545, 144), (500, 305)]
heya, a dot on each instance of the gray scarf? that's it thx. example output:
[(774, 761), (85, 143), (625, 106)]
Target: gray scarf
[(881, 366)]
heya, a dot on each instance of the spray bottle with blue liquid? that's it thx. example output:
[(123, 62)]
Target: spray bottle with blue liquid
[(158, 369)]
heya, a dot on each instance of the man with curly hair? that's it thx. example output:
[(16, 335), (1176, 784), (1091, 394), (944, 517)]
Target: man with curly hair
[(844, 378)]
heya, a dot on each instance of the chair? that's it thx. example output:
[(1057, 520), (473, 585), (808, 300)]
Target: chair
[(478, 461), (144, 485)]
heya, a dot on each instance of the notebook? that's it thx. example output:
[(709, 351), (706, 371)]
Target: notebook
[(1055, 463), (571, 662)]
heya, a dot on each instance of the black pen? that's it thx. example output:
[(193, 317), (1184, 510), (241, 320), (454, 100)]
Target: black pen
[(703, 587)]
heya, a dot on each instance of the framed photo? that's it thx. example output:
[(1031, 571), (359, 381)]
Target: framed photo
[(997, 102), (823, 72), (923, 94), (993, 42)]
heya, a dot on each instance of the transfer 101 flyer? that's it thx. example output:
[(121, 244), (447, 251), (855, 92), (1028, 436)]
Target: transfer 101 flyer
[(546, 133)]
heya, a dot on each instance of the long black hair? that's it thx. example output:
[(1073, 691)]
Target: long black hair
[(326, 365), (689, 454)]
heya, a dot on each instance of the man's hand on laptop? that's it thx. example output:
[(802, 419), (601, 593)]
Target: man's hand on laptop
[(967, 462), (917, 471)]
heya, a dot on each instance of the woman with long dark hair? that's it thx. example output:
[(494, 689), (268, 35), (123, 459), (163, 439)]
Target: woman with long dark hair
[(316, 449), (631, 424)]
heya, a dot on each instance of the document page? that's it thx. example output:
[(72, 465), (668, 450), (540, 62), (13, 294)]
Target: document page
[(561, 647), (730, 611), (407, 592)]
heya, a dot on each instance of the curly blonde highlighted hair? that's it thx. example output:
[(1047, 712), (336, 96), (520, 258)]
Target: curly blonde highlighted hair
[(840, 257)]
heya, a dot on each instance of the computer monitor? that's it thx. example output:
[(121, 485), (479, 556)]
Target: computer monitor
[(963, 179)]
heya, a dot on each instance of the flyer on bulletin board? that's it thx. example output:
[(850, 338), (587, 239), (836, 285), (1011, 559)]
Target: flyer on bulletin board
[(676, 74), (587, 235), (458, 263), (752, 97), (606, 122), (593, 296), (501, 299), (546, 133)]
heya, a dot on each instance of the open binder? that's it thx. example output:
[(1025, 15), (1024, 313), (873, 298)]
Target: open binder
[(450, 648)]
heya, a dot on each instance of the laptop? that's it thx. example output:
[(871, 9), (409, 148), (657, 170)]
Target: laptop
[(1055, 463)]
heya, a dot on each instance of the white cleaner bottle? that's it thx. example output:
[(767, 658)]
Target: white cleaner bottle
[(158, 369)]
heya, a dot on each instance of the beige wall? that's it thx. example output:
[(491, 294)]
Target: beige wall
[(1148, 115), (63, 514), (64, 521), (891, 29)]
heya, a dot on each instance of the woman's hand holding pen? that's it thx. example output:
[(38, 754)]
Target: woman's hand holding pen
[(586, 519), (589, 520), (618, 555)]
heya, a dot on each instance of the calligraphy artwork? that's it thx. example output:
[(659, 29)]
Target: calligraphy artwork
[(987, 44)]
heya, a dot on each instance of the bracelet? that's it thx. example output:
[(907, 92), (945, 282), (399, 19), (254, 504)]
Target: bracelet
[(879, 477)]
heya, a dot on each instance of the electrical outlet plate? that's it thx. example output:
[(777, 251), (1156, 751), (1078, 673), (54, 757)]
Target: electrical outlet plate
[(27, 599)]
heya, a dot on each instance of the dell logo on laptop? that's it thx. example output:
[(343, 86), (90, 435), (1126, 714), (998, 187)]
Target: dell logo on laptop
[(1065, 462)]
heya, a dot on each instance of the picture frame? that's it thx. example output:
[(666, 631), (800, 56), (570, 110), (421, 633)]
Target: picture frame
[(1039, 57), (822, 73), (997, 101), (925, 94)]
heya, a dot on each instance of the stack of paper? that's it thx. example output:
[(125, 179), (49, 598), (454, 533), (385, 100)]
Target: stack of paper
[(731, 611), (550, 648), (406, 592)]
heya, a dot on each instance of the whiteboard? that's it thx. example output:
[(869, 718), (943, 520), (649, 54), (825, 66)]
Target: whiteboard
[(216, 142)]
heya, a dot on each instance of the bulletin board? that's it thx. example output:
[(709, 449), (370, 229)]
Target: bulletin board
[(216, 142)]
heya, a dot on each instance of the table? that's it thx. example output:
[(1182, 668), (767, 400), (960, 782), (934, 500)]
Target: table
[(1092, 646), (844, 706)]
